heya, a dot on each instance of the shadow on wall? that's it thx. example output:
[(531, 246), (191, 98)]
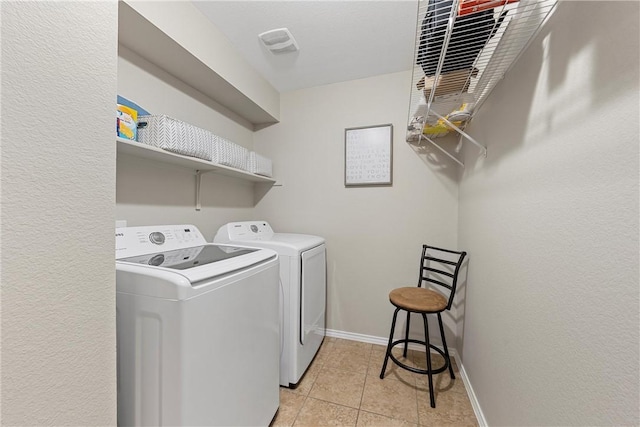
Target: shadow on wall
[(453, 319), (459, 304), (417, 329), (437, 160), (144, 182), (572, 64), (601, 44), (260, 190)]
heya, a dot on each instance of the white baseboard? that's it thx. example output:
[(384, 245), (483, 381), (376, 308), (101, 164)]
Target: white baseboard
[(482, 422), (356, 337), (370, 339)]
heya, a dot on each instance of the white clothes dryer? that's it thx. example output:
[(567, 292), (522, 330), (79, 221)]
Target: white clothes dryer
[(304, 290), (197, 330)]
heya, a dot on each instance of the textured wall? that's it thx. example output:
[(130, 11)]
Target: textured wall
[(550, 219), (374, 234), (58, 194)]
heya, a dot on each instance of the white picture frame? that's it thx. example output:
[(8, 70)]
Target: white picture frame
[(368, 156)]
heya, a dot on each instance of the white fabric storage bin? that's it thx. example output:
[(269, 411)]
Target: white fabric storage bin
[(230, 154), (260, 165), (176, 136)]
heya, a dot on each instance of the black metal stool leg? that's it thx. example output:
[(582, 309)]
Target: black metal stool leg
[(386, 356), (406, 335), (444, 344), (429, 372)]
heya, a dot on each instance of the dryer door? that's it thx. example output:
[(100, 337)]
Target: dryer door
[(313, 294)]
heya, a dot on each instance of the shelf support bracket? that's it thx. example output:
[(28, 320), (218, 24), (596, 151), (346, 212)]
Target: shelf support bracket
[(198, 179), (462, 133), (443, 150)]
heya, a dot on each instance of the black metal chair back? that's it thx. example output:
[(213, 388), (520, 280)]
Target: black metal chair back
[(440, 267)]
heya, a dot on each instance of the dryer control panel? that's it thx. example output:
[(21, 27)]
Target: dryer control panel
[(134, 241), (245, 230)]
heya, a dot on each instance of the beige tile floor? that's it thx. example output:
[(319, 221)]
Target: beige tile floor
[(342, 387)]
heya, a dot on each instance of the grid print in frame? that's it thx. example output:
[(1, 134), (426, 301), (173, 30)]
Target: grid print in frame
[(368, 155)]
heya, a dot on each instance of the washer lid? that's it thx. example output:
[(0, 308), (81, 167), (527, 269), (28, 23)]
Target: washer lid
[(198, 266), (185, 258)]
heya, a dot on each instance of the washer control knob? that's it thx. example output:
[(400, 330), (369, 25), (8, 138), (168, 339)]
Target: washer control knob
[(254, 228), (157, 260), (156, 238)]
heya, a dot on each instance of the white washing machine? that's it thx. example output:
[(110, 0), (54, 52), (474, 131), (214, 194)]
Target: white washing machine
[(197, 330), (304, 285)]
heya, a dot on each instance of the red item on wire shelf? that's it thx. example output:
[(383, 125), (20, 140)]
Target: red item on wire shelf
[(467, 7)]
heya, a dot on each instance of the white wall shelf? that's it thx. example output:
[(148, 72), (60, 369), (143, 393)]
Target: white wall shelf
[(135, 149), (126, 147)]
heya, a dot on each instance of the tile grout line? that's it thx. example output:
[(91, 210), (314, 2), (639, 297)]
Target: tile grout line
[(333, 403), (413, 360), (320, 365), (299, 410), (414, 387), (364, 385)]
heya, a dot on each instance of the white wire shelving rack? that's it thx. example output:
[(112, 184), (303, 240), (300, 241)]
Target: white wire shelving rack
[(461, 54)]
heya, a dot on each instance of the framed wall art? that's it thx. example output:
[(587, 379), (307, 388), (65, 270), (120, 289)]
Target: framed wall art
[(368, 155)]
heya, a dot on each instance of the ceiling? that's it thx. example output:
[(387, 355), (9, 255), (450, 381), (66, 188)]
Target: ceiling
[(339, 40)]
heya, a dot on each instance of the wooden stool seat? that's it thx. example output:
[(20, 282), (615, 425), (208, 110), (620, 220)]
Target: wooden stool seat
[(418, 300)]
